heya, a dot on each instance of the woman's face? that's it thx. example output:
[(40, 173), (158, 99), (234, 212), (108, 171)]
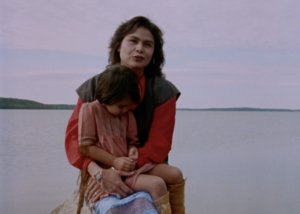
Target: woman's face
[(136, 50)]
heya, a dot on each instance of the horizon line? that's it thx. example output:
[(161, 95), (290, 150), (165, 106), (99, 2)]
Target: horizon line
[(187, 109)]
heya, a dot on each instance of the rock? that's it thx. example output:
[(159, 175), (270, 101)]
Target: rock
[(69, 206)]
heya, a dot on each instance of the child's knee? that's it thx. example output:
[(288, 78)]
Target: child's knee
[(176, 175), (159, 184), (158, 188)]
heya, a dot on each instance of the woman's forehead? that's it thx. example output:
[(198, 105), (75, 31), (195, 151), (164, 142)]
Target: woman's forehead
[(142, 34)]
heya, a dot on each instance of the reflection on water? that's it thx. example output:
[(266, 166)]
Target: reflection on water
[(236, 162)]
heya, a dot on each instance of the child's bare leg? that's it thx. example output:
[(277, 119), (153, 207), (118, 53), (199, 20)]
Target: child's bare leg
[(154, 185), (175, 183), (170, 174)]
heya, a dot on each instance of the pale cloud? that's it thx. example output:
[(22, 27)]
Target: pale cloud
[(86, 27), (58, 74), (55, 25), (238, 68), (219, 53), (240, 75), (228, 23)]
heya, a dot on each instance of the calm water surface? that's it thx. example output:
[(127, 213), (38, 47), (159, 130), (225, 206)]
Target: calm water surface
[(235, 162)]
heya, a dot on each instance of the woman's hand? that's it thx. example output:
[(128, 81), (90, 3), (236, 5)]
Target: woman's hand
[(112, 183), (124, 164), (93, 191)]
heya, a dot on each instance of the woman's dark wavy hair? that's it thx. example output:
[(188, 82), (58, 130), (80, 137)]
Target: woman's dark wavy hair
[(116, 83), (158, 59)]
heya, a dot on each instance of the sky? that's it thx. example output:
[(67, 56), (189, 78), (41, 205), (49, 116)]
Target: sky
[(219, 53)]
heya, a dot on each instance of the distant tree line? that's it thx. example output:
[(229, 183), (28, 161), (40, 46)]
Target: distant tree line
[(12, 103)]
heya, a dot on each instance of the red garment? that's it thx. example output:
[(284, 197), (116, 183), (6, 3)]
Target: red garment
[(159, 143), (156, 148)]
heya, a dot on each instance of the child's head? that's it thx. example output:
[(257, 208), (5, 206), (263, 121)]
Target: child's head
[(118, 89)]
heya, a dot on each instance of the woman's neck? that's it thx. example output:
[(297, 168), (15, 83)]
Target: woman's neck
[(138, 72)]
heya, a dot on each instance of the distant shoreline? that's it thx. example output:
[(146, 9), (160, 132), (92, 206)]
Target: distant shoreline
[(13, 103), (239, 109)]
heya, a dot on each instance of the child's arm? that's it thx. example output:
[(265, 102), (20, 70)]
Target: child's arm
[(87, 138), (102, 156), (97, 154)]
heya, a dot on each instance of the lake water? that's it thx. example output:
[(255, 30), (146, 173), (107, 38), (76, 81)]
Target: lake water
[(235, 162)]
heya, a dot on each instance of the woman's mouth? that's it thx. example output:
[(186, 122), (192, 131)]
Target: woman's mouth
[(138, 58)]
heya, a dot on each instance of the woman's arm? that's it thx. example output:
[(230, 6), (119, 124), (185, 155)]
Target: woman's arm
[(71, 140), (112, 182), (158, 146)]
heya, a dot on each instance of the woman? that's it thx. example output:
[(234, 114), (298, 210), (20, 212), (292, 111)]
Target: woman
[(136, 44)]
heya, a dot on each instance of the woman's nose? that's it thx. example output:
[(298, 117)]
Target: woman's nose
[(140, 47)]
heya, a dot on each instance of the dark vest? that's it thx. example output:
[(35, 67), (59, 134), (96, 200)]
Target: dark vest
[(157, 91)]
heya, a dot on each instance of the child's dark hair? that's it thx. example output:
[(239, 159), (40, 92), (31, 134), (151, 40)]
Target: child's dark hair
[(116, 83)]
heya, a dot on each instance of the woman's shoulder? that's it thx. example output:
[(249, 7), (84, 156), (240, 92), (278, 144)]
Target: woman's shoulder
[(163, 83), (86, 91), (163, 90)]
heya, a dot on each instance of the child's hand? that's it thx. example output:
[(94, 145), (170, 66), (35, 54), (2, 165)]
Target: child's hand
[(133, 153), (124, 164)]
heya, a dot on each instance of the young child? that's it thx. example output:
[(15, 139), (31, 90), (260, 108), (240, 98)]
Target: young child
[(107, 133)]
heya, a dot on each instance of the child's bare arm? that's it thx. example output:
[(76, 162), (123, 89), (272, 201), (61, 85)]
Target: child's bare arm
[(102, 156), (99, 155)]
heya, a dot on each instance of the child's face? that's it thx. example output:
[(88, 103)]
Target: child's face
[(120, 107)]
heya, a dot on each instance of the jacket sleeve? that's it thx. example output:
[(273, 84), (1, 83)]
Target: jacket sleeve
[(71, 140), (132, 137), (158, 146)]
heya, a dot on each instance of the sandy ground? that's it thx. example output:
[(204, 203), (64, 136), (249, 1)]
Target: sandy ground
[(69, 206)]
